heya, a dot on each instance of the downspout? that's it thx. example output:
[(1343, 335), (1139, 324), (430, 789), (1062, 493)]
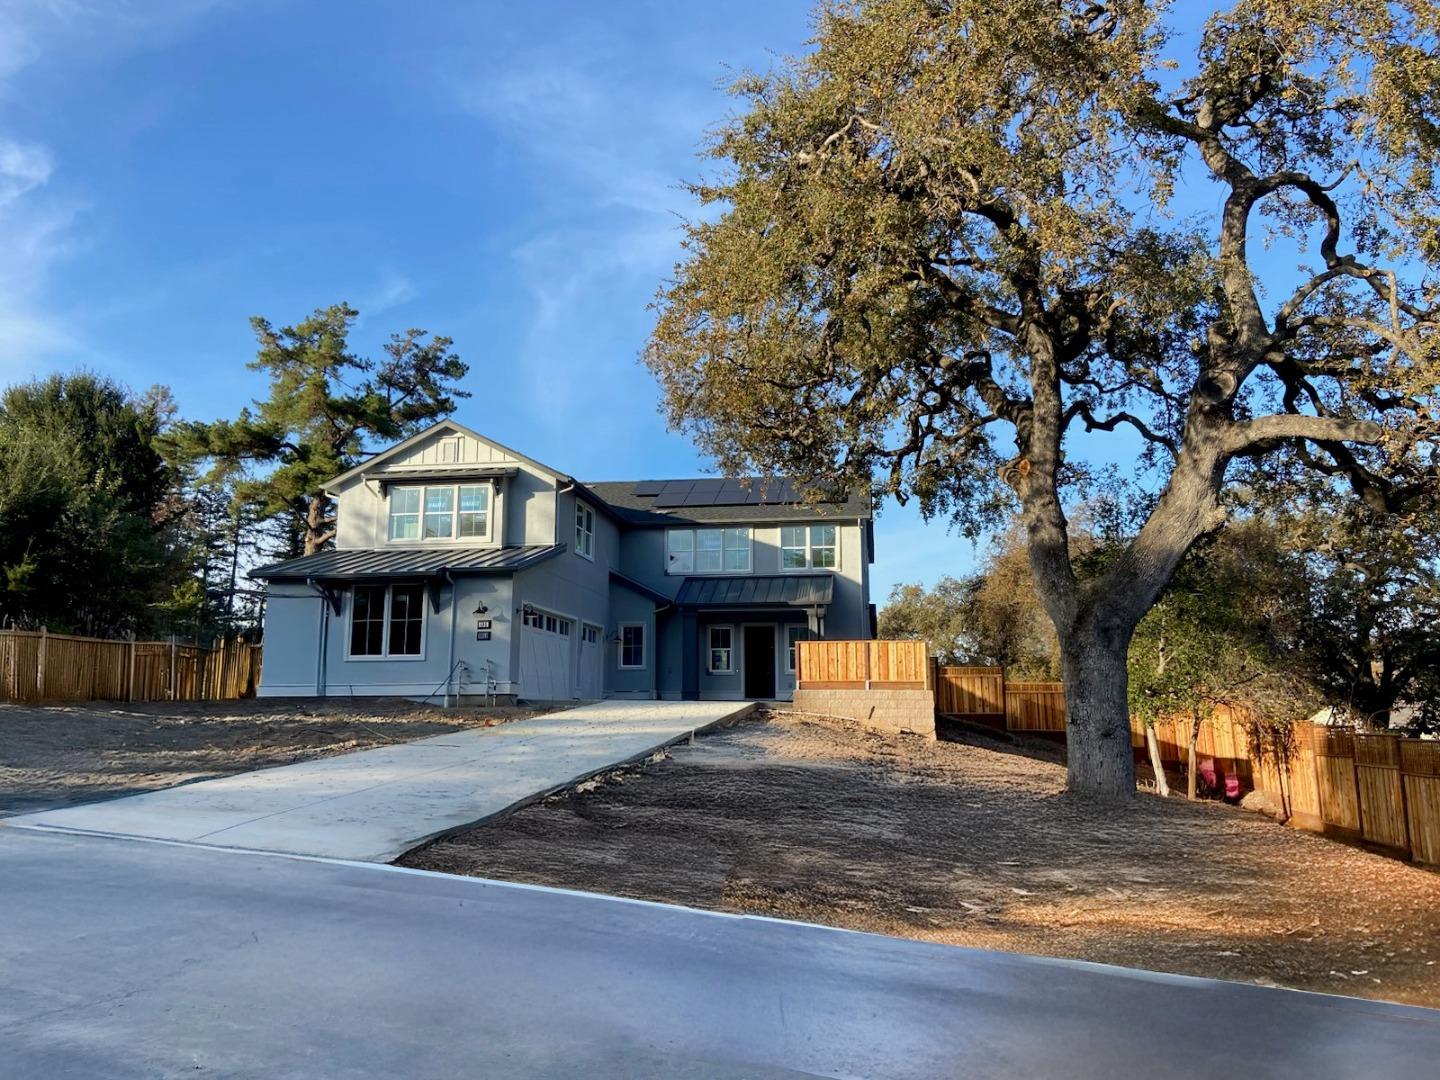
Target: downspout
[(571, 486), (454, 617), (321, 684)]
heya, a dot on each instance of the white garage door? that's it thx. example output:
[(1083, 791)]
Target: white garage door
[(592, 670), (545, 656)]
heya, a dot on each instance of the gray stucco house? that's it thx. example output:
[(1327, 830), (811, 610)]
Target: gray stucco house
[(463, 568)]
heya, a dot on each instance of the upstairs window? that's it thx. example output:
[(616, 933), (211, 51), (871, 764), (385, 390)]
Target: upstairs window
[(439, 512), (584, 531), (805, 547), (708, 551)]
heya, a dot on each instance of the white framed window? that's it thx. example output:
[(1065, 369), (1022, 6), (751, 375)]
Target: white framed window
[(809, 547), (440, 512), (793, 633), (387, 621), (584, 530), (473, 519), (632, 646), (708, 551), (720, 656)]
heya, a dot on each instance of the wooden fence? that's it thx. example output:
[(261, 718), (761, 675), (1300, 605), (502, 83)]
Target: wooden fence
[(39, 666), (862, 665), (1378, 788), (985, 695)]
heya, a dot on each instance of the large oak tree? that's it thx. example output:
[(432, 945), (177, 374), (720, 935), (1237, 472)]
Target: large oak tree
[(947, 242)]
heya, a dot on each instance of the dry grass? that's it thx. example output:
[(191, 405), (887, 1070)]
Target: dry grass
[(60, 755), (977, 846)]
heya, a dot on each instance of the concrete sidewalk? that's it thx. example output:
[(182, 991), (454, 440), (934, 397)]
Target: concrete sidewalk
[(127, 959), (373, 805)]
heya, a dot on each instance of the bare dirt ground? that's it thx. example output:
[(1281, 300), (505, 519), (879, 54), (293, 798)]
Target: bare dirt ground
[(60, 755), (974, 844)]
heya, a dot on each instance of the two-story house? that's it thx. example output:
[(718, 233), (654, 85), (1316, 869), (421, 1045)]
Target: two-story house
[(463, 568)]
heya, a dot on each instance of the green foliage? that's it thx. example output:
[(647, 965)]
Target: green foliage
[(327, 408), (939, 616), (87, 542)]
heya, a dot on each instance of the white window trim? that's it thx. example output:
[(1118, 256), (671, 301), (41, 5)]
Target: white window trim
[(489, 539), (789, 656), (386, 656), (694, 530), (590, 533), (809, 567), (734, 668), (620, 647)]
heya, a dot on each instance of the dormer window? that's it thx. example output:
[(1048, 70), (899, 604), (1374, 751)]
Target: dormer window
[(440, 512)]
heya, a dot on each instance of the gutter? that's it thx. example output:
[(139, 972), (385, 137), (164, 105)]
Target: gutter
[(321, 680)]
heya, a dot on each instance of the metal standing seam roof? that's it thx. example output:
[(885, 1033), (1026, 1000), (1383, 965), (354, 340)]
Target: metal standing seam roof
[(407, 562), (769, 590)]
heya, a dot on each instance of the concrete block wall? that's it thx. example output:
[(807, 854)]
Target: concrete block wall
[(891, 711)]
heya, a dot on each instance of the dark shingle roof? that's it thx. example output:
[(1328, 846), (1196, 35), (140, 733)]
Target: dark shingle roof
[(787, 590), (636, 502), (406, 562)]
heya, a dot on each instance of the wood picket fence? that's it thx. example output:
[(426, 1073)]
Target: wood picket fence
[(36, 665), (862, 665)]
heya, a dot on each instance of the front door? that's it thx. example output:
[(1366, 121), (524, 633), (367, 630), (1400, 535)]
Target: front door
[(760, 662)]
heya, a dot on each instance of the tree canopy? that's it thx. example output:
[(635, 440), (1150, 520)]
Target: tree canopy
[(955, 237), (327, 409)]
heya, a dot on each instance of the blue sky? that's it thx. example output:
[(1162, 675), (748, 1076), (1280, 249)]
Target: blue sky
[(504, 174)]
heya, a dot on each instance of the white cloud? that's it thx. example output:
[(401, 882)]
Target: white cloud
[(23, 168)]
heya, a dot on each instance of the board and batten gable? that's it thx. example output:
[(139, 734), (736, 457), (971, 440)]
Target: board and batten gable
[(522, 510)]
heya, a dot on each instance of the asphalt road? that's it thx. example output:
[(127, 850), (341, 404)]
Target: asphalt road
[(126, 958)]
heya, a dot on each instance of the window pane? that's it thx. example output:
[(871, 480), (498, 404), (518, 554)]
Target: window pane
[(721, 652), (709, 547), (367, 621), (404, 513), (439, 510), (682, 551), (792, 635), (407, 615), (792, 547), (632, 646), (737, 549), (822, 545), (474, 517), (584, 529)]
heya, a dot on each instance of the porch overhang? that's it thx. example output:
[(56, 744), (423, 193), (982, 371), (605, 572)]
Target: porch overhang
[(810, 593)]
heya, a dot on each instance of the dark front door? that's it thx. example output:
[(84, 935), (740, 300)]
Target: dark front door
[(760, 661)]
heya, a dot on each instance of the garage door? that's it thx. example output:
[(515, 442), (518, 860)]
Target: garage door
[(592, 669), (545, 642)]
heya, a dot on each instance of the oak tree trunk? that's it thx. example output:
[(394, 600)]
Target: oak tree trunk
[(1097, 714)]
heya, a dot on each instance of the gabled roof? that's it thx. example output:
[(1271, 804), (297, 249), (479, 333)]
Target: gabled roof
[(766, 590), (421, 436), (385, 564), (764, 499)]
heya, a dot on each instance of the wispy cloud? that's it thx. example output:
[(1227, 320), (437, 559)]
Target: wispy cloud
[(38, 225)]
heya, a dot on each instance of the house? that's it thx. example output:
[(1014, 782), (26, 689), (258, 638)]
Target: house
[(463, 568)]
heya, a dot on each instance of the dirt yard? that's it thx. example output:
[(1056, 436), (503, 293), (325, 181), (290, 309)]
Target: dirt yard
[(59, 755), (972, 843)]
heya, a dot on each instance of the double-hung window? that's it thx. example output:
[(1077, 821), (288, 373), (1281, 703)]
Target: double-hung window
[(721, 654), (708, 551), (804, 547), (387, 620), (632, 645), (584, 531), (440, 512)]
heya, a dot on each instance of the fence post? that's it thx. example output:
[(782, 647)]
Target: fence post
[(172, 667), (40, 665), (130, 677), (220, 694), (868, 646)]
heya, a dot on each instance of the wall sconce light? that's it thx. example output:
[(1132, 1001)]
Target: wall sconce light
[(480, 609)]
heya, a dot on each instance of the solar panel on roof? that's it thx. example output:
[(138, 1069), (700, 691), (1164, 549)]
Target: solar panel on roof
[(710, 484), (702, 498), (671, 498), (648, 488)]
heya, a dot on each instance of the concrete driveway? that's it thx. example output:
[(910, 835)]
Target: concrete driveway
[(128, 959), (373, 805)]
